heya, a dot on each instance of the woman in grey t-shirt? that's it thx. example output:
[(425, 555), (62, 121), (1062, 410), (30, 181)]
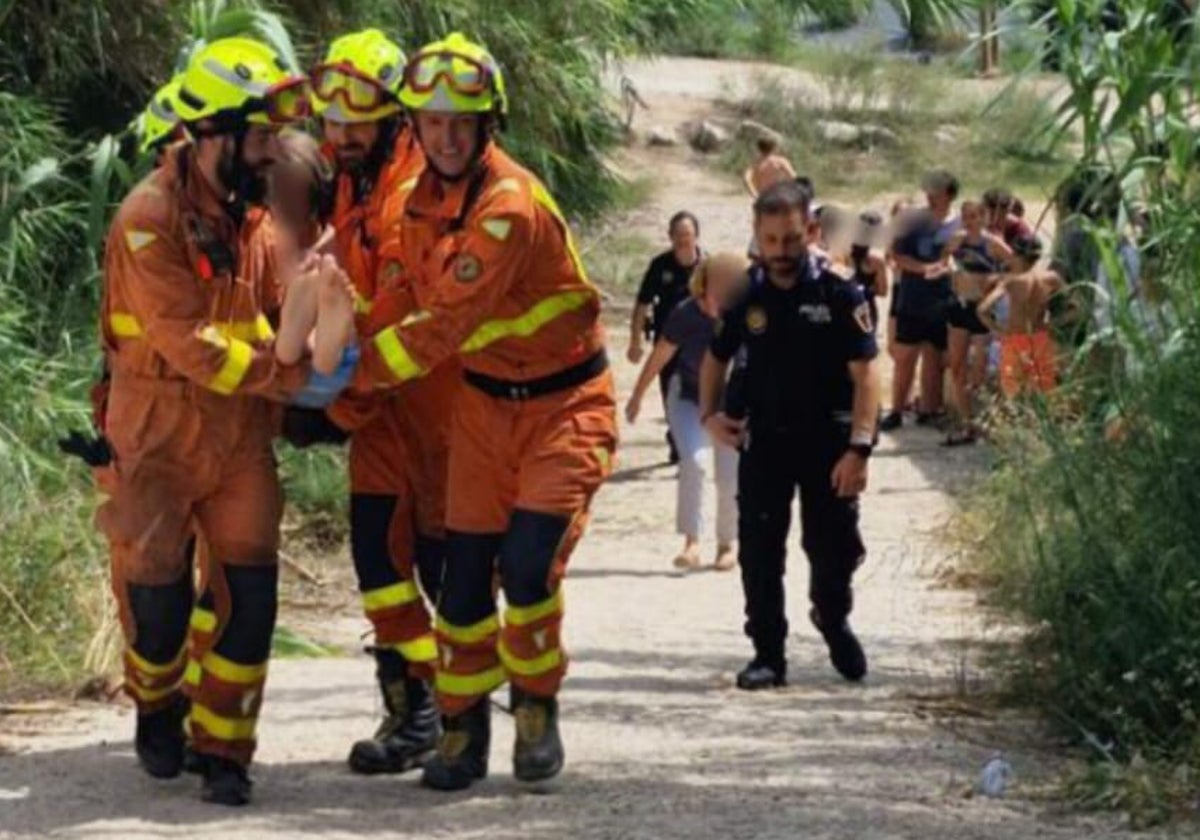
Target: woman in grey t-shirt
[(685, 338)]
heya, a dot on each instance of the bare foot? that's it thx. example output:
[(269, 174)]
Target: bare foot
[(726, 558), (335, 320), (689, 558), (297, 317)]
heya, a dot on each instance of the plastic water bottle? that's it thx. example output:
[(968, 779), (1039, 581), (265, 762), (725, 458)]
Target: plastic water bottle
[(994, 779)]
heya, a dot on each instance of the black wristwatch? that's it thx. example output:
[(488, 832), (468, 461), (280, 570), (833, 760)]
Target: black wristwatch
[(863, 450)]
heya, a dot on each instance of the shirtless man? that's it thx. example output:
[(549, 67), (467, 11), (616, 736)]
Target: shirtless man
[(1026, 348), (770, 168)]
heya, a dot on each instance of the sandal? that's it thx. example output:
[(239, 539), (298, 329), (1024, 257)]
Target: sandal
[(961, 437)]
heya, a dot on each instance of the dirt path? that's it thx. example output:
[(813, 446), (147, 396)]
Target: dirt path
[(659, 743)]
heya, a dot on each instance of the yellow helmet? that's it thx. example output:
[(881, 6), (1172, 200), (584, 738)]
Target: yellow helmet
[(157, 124), (236, 80), (359, 79), (456, 75)]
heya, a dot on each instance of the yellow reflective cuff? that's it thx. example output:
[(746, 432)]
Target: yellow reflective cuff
[(472, 685), (203, 621), (152, 669), (362, 306), (469, 635), (150, 695), (396, 595), (238, 357), (535, 667), (396, 356), (222, 728), (248, 331), (193, 674), (422, 649), (521, 616), (526, 324), (407, 186), (232, 672), (125, 325)]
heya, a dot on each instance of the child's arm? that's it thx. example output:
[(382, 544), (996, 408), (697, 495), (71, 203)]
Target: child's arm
[(663, 352)]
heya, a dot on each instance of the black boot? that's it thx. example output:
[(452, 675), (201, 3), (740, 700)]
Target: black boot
[(845, 652), (538, 753), (462, 750), (225, 782), (408, 735), (760, 674), (159, 741)]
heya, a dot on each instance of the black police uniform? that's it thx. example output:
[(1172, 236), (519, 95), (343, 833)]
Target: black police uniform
[(795, 346)]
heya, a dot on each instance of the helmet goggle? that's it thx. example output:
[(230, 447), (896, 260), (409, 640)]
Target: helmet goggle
[(357, 91), (461, 74), (286, 102)]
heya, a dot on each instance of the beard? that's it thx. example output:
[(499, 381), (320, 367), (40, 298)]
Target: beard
[(246, 182)]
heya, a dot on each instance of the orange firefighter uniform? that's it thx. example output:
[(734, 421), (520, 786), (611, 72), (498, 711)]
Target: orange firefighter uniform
[(190, 420), (533, 429), (386, 490)]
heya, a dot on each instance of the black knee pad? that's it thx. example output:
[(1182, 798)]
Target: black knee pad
[(253, 597), (430, 561), (466, 595), (161, 615), (527, 554), (370, 525)]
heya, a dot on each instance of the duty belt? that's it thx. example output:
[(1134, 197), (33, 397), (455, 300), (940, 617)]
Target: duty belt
[(531, 389)]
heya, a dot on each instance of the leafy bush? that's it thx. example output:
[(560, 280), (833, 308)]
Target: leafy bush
[(1090, 521)]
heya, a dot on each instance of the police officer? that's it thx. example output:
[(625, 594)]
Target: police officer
[(811, 398), (664, 286)]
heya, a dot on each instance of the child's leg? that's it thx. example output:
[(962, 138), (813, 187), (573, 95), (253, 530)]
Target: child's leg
[(297, 317), (335, 322)]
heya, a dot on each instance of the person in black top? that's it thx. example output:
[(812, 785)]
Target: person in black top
[(664, 286), (811, 393)]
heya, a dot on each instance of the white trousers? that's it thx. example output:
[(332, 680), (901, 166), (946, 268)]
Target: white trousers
[(696, 449)]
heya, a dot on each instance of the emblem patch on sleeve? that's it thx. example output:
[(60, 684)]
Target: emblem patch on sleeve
[(467, 268), (862, 317)]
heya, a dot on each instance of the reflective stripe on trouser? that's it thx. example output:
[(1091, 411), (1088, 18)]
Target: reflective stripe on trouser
[(531, 646), (152, 686), (397, 612), (468, 665), (226, 698), (229, 643), (382, 546)]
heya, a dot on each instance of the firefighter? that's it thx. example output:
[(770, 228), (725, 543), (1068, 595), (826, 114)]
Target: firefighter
[(189, 419), (533, 429), (355, 96)]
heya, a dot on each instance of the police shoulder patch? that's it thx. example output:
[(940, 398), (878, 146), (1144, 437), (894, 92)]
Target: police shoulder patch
[(756, 320), (467, 268), (862, 317)]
